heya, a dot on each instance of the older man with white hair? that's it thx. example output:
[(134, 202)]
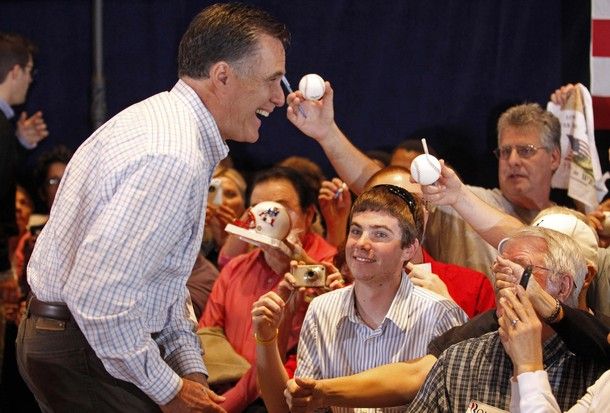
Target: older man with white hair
[(558, 266)]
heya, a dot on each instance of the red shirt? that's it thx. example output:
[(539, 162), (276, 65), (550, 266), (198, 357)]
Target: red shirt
[(240, 283), (470, 289)]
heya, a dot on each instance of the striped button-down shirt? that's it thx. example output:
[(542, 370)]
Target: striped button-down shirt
[(336, 342), (123, 234), (479, 370)]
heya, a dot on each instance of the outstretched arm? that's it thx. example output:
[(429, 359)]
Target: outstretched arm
[(353, 166), (393, 384), (490, 223)]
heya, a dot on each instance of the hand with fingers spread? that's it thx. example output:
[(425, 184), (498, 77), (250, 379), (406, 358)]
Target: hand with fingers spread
[(428, 280), (303, 395), (216, 219), (520, 331), (316, 119), (31, 130), (335, 204)]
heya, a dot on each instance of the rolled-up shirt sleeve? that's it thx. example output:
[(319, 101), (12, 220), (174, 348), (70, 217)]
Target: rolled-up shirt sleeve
[(127, 281)]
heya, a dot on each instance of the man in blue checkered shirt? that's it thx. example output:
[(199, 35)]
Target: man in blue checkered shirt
[(108, 327)]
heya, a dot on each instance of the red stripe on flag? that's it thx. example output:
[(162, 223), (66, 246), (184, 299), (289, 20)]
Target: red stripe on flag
[(600, 34), (601, 112)]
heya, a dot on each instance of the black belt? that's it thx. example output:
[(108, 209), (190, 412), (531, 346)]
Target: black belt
[(55, 311)]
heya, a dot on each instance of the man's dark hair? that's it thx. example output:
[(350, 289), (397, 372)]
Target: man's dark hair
[(307, 197), (226, 32), (396, 202), (59, 154), (14, 50)]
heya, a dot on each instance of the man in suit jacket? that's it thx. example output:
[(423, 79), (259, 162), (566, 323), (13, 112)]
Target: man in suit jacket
[(16, 66)]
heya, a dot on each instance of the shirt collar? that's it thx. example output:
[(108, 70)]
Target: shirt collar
[(397, 309), (212, 143), (6, 109)]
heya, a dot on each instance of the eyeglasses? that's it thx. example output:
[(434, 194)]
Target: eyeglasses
[(524, 151)]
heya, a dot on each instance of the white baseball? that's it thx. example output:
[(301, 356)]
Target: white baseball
[(312, 86), (425, 169)]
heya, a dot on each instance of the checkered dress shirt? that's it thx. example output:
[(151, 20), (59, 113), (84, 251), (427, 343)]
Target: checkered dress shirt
[(123, 234), (479, 369)]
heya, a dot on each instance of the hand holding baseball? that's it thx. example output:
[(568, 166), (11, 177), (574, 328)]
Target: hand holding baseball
[(447, 190), (320, 120)]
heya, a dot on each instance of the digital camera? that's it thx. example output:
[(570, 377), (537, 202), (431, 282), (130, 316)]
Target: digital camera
[(309, 275), (215, 192)]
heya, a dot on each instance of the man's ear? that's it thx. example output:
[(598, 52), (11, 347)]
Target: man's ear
[(566, 285), (14, 72), (219, 74), (555, 159), (410, 251)]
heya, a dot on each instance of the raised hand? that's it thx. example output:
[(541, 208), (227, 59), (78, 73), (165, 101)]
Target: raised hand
[(428, 280), (520, 331), (318, 119), (335, 204), (33, 129), (448, 190)]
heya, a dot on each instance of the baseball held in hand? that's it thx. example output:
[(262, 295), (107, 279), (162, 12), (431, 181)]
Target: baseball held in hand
[(425, 169), (312, 86)]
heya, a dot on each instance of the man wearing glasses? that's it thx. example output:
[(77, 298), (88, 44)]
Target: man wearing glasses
[(558, 267), (528, 154)]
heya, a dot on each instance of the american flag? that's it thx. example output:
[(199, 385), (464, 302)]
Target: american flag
[(600, 62)]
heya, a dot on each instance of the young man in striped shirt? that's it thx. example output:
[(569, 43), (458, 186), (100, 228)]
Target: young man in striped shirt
[(382, 318)]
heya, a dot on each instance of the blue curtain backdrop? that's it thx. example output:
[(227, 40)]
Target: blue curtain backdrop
[(443, 70)]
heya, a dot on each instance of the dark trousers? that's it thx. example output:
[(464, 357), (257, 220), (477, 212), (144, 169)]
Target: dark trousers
[(15, 397), (64, 374)]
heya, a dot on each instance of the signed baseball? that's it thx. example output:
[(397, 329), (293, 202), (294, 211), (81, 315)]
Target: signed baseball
[(425, 169), (312, 86)]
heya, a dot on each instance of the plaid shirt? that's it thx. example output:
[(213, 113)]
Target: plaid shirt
[(479, 369), (123, 235)]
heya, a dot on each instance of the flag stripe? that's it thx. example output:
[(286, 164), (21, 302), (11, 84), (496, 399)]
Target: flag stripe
[(600, 35), (600, 76), (601, 112), (600, 9)]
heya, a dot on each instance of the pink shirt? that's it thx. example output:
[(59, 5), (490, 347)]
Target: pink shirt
[(240, 283)]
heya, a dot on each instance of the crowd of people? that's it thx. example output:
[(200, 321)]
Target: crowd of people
[(122, 290)]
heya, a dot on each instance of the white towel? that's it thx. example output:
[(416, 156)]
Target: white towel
[(580, 171)]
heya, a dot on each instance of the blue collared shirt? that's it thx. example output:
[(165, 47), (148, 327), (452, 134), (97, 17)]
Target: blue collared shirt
[(123, 235)]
